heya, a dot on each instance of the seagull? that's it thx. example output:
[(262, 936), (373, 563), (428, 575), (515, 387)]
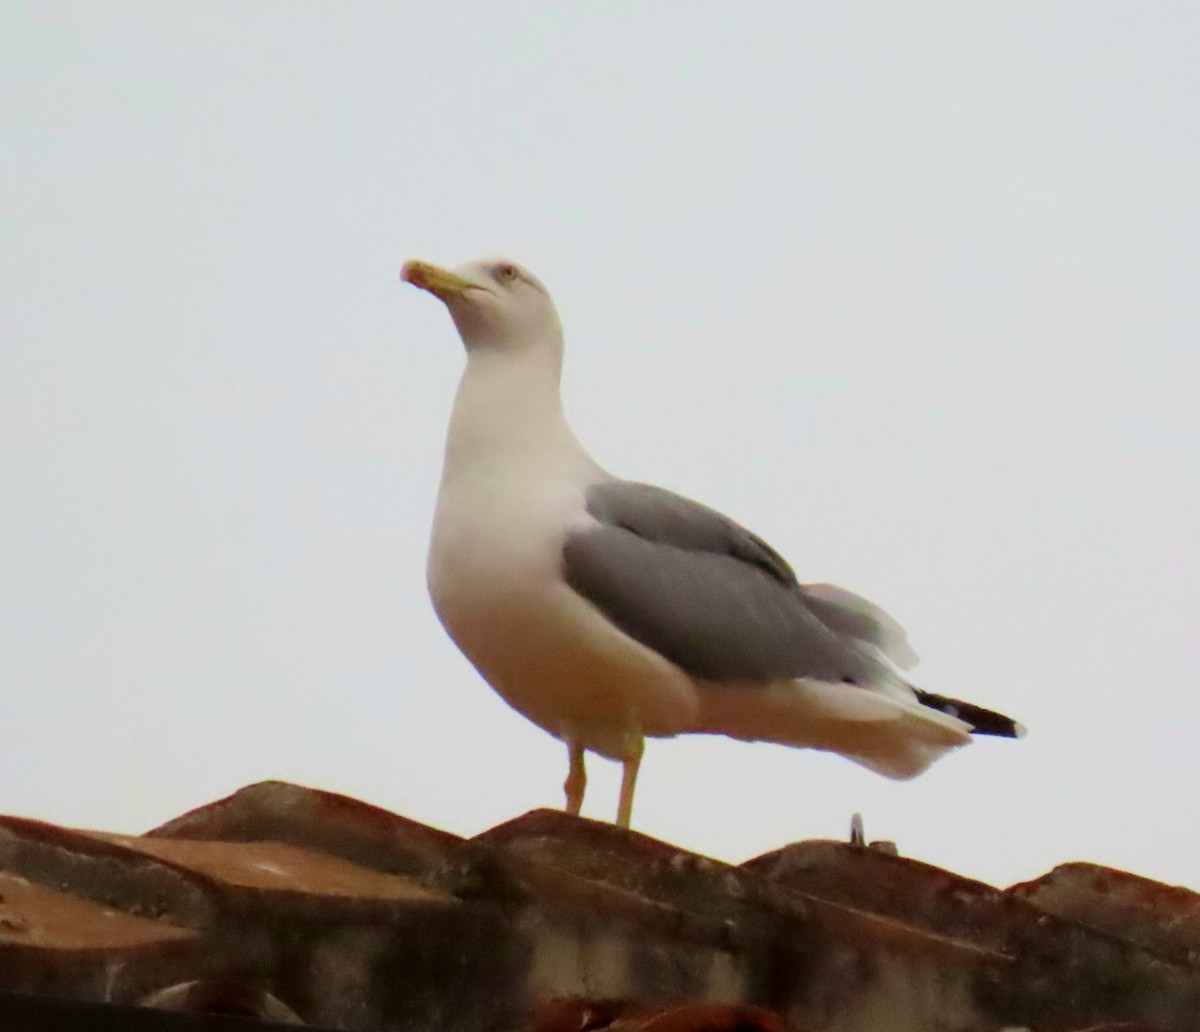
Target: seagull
[(607, 611)]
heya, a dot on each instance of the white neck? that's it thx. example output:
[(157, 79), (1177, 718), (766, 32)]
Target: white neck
[(508, 413)]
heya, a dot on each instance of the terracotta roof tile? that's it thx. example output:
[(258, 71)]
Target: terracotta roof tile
[(286, 903), (35, 917), (578, 1014), (1165, 918), (275, 811), (274, 867)]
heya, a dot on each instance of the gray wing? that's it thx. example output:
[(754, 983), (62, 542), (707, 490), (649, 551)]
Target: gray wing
[(702, 591), (854, 617)]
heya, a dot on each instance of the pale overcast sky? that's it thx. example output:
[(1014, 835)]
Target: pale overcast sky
[(908, 288)]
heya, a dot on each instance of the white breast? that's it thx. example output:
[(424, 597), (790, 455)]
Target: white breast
[(507, 500)]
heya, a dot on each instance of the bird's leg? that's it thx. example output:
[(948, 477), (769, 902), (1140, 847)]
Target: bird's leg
[(633, 759), (576, 782)]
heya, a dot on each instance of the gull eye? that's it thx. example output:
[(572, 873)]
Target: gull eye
[(506, 273)]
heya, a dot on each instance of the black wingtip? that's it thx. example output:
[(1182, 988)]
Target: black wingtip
[(982, 721)]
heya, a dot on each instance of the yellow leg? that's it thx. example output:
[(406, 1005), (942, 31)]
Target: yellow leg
[(576, 782), (629, 780)]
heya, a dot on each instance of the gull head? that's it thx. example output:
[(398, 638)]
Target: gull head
[(496, 304)]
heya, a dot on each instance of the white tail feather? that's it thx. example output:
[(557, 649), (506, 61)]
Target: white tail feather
[(890, 734)]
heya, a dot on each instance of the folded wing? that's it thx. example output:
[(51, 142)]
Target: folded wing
[(708, 595)]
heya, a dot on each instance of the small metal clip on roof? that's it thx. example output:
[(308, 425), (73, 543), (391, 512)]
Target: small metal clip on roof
[(858, 837)]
